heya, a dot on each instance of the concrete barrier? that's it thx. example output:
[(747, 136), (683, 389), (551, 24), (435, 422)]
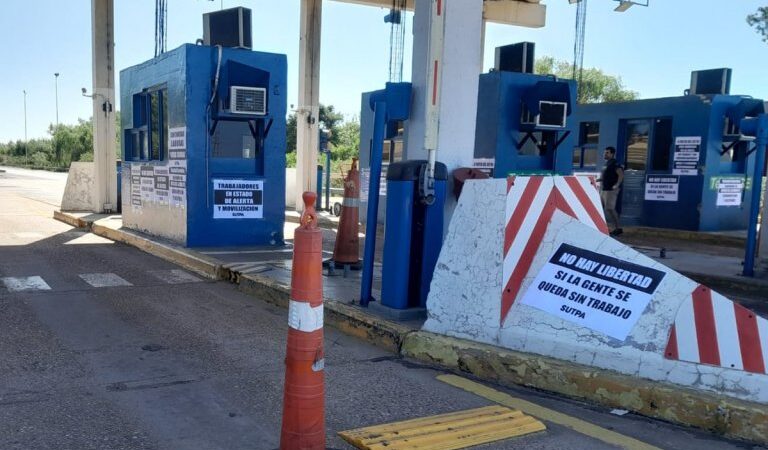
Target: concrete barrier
[(566, 290), (79, 188)]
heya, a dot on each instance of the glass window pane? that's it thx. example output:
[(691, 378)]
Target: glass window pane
[(637, 145), (154, 124), (662, 144), (590, 157), (577, 158), (530, 148), (233, 140), (164, 139), (590, 133)]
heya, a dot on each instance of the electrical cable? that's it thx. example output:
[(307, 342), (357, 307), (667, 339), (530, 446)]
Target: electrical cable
[(578, 47)]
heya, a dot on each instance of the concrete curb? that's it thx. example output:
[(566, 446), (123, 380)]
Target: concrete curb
[(723, 415), (749, 287), (685, 235), (71, 220), (207, 267), (346, 318)]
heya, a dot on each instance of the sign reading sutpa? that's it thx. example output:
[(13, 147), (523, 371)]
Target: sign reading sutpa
[(238, 199), (595, 291)]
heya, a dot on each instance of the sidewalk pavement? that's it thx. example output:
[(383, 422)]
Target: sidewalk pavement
[(265, 273)]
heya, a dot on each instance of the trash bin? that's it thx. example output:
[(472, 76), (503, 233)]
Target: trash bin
[(413, 235)]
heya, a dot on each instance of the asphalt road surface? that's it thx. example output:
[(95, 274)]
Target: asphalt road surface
[(105, 347)]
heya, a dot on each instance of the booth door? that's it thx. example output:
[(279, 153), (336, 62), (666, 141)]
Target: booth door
[(635, 150)]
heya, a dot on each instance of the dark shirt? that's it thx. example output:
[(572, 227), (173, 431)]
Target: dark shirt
[(610, 174)]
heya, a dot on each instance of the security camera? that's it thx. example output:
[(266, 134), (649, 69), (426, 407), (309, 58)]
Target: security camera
[(84, 90)]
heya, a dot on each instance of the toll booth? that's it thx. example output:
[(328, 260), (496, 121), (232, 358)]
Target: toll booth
[(203, 146), (686, 164), (523, 123)]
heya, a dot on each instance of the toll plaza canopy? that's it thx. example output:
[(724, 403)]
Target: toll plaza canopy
[(526, 13)]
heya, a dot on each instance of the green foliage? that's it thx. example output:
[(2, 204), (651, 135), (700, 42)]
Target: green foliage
[(290, 133), (39, 159), (597, 86), (344, 140), (67, 143), (759, 20), (290, 159), (347, 141)]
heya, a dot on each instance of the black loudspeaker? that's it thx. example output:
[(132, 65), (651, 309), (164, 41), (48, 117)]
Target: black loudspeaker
[(515, 57), (711, 82), (228, 28)]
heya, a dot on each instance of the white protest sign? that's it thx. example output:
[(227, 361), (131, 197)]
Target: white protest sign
[(593, 290), (238, 199), (729, 191), (365, 180), (686, 158), (662, 188)]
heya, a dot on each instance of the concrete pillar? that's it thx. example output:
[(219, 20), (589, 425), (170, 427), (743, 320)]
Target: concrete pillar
[(104, 142), (461, 64), (308, 111)]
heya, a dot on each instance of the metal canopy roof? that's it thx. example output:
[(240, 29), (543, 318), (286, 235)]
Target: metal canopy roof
[(525, 13)]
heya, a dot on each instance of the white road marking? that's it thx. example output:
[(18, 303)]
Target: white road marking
[(109, 279), (175, 276), (34, 283)]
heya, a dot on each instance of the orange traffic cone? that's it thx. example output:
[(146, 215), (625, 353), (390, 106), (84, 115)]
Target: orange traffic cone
[(303, 400), (346, 250)]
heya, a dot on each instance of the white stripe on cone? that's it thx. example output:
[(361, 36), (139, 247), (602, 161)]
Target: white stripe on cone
[(303, 317), (350, 202)]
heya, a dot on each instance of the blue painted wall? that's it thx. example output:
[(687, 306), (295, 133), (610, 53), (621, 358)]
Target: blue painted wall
[(498, 127), (691, 115)]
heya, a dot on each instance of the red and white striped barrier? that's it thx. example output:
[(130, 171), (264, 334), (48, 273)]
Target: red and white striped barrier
[(531, 202), (487, 288), (710, 329)]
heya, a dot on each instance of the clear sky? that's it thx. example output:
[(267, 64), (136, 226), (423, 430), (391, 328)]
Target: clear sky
[(653, 49)]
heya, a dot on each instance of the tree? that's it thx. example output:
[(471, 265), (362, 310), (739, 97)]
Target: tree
[(348, 141), (329, 120), (759, 20), (290, 133), (596, 85)]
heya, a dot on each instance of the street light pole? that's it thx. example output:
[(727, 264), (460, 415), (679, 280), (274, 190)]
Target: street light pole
[(57, 99), (26, 143)]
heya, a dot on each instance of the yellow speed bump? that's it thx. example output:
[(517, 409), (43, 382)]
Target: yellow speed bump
[(578, 425), (446, 431)]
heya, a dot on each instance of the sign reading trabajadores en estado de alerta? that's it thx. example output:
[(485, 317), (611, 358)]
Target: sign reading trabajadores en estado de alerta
[(595, 291)]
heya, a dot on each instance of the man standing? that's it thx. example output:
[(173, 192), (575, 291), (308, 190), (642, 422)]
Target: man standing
[(611, 180)]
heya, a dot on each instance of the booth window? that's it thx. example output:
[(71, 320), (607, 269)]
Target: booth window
[(637, 144), (662, 144), (534, 146), (147, 140), (585, 155), (233, 140), (733, 157)]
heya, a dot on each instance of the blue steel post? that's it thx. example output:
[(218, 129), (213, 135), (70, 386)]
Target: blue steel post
[(379, 124), (761, 135), (327, 180)]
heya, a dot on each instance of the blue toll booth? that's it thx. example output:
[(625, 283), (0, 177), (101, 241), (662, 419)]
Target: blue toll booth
[(686, 164), (203, 140), (524, 124)]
